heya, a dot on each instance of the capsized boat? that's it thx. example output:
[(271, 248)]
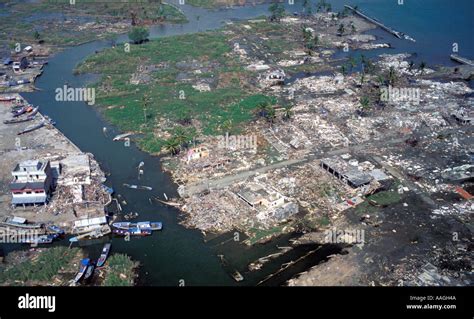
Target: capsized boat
[(104, 255), (139, 225), (133, 232), (82, 269)]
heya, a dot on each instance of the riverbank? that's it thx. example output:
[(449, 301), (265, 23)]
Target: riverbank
[(78, 193)]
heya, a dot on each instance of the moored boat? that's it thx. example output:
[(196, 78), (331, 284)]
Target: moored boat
[(104, 255), (139, 225), (31, 128), (89, 271), (82, 269), (133, 232)]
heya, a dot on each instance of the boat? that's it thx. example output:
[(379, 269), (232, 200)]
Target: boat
[(20, 111), (49, 120), (7, 98), (139, 225), (108, 189), (15, 121), (43, 239), (19, 222), (56, 229), (121, 136), (82, 269), (148, 188), (89, 271), (133, 232), (33, 112), (104, 255), (96, 233), (31, 128)]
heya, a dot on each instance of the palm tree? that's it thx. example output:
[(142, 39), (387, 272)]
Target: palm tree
[(262, 108), (352, 62), (392, 75), (180, 136), (343, 69), (172, 146), (270, 114), (227, 125), (287, 113), (364, 102), (145, 101), (422, 67)]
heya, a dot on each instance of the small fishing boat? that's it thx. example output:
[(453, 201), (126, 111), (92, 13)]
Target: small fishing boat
[(31, 128), (108, 189), (19, 222), (43, 239), (15, 121), (55, 229), (148, 188), (33, 112), (89, 271), (133, 232), (139, 225), (20, 111), (104, 255), (82, 269), (121, 136), (7, 98)]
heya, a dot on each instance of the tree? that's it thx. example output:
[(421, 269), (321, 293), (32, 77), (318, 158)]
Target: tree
[(277, 11), (172, 146), (180, 135), (364, 102), (287, 113), (343, 69), (422, 67), (145, 102), (392, 75), (138, 35), (37, 35)]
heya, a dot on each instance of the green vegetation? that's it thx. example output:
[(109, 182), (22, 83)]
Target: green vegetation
[(60, 23), (257, 234), (120, 272), (226, 107), (138, 35), (42, 267), (277, 11)]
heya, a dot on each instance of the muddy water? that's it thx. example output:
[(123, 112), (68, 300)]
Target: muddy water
[(174, 255)]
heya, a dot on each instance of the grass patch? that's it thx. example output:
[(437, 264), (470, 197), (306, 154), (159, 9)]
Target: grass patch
[(227, 107), (41, 268), (256, 234), (120, 272)]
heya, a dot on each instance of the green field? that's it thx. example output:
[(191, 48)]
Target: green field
[(166, 102), (29, 22), (120, 271)]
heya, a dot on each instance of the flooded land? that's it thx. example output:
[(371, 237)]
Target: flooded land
[(247, 144)]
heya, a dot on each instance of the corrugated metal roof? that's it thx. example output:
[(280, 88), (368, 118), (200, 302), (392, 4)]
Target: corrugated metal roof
[(29, 200)]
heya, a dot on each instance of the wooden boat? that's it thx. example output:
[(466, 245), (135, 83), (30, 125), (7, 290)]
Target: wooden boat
[(139, 225), (89, 271), (19, 222), (133, 232), (56, 229), (96, 233), (104, 255), (15, 121), (43, 239), (20, 111), (82, 269), (148, 188), (31, 128), (121, 136), (7, 98)]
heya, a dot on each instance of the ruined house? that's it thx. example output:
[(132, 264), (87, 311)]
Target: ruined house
[(345, 172)]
